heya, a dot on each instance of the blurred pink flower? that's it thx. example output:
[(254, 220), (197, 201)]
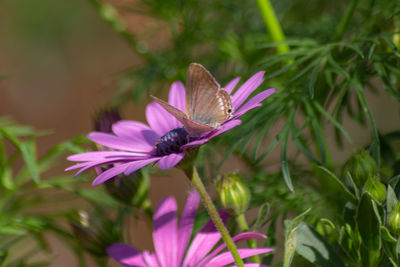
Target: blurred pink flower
[(171, 241)]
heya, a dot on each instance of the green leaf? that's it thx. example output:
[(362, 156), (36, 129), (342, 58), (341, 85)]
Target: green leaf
[(391, 199), (284, 163), (312, 246), (386, 235), (11, 230), (313, 78), (6, 180), (290, 238), (369, 228), (337, 67), (316, 129), (28, 151), (375, 146), (353, 47), (350, 241), (346, 193), (263, 212), (96, 196), (350, 179), (332, 120)]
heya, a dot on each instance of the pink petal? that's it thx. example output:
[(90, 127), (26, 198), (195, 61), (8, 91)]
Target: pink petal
[(126, 255), (159, 119), (136, 131), (117, 142), (237, 238), (110, 173), (254, 102), (203, 242), (231, 85), (170, 161), (224, 128), (186, 223), (253, 265), (226, 257), (118, 169), (177, 96), (195, 143), (88, 165), (101, 155), (246, 89), (150, 259), (140, 164), (165, 236)]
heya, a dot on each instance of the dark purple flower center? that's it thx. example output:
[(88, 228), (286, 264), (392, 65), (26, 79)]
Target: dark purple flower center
[(172, 141)]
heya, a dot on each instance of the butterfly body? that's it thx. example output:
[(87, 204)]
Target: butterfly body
[(207, 104)]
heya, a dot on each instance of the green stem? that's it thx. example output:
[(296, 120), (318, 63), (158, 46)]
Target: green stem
[(241, 219), (215, 217), (273, 25), (345, 20)]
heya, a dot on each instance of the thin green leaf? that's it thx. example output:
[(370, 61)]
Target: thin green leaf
[(391, 199), (333, 121), (347, 194), (284, 162), (313, 247), (375, 146), (28, 151), (337, 67), (313, 78), (263, 212), (290, 238)]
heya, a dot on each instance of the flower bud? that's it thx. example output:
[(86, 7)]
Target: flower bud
[(233, 193), (94, 232), (394, 220), (375, 188), (361, 166), (131, 190), (105, 118)]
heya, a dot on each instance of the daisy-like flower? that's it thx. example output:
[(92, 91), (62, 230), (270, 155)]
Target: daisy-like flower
[(135, 145), (171, 241)]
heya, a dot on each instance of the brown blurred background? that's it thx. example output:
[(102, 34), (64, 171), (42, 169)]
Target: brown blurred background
[(59, 62)]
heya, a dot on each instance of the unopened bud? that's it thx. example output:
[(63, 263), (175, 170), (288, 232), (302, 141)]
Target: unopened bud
[(394, 220), (361, 166), (375, 188), (105, 118), (233, 193), (132, 190)]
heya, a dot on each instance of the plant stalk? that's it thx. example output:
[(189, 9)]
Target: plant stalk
[(273, 25), (345, 20), (215, 217), (241, 219)]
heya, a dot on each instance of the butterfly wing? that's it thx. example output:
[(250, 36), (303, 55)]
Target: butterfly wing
[(206, 101), (194, 128)]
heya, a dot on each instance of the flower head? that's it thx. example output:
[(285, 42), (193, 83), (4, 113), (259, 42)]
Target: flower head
[(134, 145), (171, 241)]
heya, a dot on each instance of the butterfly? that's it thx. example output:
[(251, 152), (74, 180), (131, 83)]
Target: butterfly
[(207, 104)]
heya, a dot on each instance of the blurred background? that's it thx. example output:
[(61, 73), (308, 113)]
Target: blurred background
[(62, 61)]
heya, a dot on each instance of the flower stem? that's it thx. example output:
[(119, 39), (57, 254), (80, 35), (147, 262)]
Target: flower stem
[(273, 25), (345, 20), (215, 217), (241, 219)]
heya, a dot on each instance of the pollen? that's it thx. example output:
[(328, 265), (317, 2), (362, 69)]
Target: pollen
[(172, 141)]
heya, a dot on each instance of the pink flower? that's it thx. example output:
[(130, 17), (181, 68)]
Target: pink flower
[(135, 145), (171, 241)]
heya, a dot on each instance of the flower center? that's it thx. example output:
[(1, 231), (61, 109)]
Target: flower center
[(172, 141)]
